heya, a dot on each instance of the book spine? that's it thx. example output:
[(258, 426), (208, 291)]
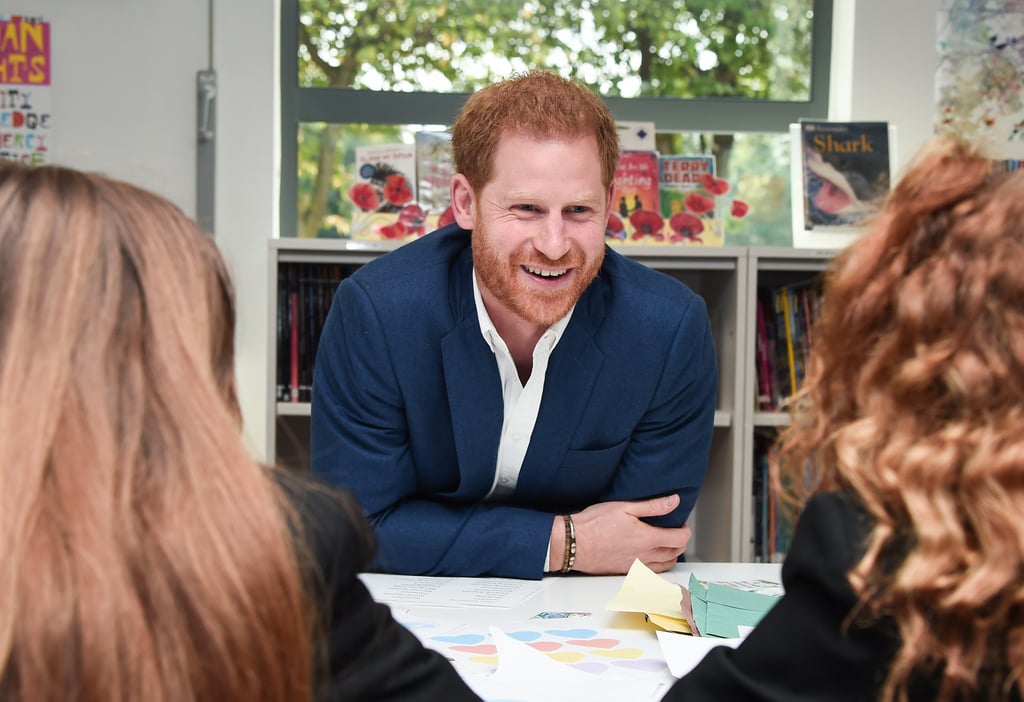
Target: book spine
[(764, 399), (787, 315), (293, 302), (305, 333), (283, 331), (798, 325)]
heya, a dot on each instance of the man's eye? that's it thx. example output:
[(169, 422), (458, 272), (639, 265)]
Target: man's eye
[(527, 208), (579, 209)]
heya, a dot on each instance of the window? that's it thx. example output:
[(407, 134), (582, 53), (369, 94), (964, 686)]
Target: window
[(726, 78)]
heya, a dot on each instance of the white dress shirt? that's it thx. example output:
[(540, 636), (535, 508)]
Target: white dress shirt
[(522, 403)]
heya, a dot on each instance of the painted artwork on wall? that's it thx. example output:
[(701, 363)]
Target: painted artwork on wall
[(25, 69), (980, 78)]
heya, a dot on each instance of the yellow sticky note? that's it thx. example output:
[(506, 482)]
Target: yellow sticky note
[(679, 626), (645, 591)]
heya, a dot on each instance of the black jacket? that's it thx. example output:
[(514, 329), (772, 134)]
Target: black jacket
[(364, 654), (802, 649), (805, 649)]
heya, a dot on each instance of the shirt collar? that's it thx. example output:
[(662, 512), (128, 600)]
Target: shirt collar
[(494, 340)]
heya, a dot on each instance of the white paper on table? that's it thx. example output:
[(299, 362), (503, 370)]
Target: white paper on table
[(525, 673), (683, 652), (429, 591)]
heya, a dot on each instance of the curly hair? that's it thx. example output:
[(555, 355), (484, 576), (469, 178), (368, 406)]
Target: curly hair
[(540, 104), (914, 402)]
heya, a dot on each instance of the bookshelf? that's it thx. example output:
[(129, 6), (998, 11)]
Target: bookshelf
[(770, 269), (726, 277)]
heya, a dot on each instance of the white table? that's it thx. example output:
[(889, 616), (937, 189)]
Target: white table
[(583, 594), (576, 593)]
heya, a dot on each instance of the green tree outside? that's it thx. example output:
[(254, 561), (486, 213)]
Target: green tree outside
[(747, 49)]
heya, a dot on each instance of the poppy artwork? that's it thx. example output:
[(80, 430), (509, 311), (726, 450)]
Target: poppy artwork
[(383, 198), (692, 204), (636, 208)]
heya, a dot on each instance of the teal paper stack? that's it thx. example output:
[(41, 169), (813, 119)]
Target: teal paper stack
[(720, 608)]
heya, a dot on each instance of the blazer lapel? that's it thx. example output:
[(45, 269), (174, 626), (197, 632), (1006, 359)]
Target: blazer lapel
[(568, 386), (474, 388)]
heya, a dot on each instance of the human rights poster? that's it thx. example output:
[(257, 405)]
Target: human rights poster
[(25, 70)]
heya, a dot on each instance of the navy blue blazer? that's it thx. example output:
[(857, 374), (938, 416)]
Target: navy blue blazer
[(407, 409)]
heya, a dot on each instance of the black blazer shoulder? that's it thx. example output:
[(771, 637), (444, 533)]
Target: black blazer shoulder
[(806, 648), (364, 654)]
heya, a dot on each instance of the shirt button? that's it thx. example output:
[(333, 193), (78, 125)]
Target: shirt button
[(518, 438)]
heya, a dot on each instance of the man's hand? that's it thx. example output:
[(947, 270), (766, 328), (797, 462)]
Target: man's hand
[(610, 535)]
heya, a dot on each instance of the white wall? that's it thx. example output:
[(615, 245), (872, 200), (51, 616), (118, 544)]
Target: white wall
[(891, 76), (123, 87), (246, 60), (883, 66), (124, 103)]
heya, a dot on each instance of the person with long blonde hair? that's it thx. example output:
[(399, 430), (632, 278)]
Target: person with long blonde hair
[(904, 579), (144, 555)]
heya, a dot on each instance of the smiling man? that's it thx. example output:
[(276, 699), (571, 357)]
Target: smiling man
[(506, 396)]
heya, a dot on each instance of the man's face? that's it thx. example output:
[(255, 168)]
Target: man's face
[(538, 225)]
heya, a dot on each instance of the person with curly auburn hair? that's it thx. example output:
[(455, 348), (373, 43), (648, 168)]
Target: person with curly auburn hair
[(144, 555), (904, 577)]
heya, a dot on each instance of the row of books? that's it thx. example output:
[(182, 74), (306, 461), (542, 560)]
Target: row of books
[(784, 326), (304, 294), (669, 199), (786, 316), (401, 191), (773, 518)]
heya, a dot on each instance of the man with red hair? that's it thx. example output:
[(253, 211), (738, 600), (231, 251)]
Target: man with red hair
[(506, 396)]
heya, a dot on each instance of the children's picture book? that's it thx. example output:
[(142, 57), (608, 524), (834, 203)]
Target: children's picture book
[(384, 193), (636, 213), (688, 192), (680, 175), (434, 170), (842, 174)]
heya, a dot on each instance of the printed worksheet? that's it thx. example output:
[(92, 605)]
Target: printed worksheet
[(425, 591)]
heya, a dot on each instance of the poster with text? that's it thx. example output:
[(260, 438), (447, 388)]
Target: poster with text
[(25, 71)]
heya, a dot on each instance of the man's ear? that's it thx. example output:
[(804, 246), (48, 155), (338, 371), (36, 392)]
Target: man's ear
[(463, 202), (611, 197)]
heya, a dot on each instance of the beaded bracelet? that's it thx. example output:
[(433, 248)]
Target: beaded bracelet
[(570, 544)]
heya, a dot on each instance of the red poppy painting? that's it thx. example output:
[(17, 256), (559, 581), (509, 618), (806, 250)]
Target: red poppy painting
[(396, 189), (647, 223), (364, 196), (698, 204), (685, 227), (696, 201)]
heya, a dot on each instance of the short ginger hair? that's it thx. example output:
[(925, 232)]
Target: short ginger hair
[(538, 104)]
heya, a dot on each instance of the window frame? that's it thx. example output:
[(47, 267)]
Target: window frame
[(355, 106)]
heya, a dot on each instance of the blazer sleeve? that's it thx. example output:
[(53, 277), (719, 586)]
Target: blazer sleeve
[(360, 439), (668, 450), (804, 649), (363, 653)]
